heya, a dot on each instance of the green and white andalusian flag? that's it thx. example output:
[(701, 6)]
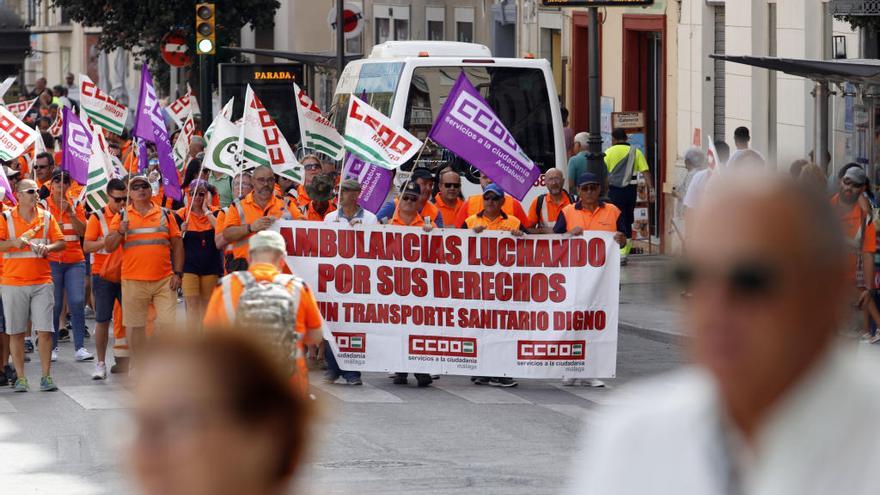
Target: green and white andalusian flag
[(263, 143), (316, 131), (100, 107), (101, 169)]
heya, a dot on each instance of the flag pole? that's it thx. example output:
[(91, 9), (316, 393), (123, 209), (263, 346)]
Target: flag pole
[(193, 196)]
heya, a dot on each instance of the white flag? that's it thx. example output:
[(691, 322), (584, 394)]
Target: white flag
[(5, 85), (263, 142), (222, 153), (15, 135), (183, 107), (181, 146), (100, 107), (21, 108), (373, 137), (316, 131), (226, 111)]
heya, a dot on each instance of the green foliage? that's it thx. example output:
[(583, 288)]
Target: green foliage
[(861, 21), (140, 25)]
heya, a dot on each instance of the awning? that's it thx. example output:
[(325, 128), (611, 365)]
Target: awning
[(317, 59), (836, 71)]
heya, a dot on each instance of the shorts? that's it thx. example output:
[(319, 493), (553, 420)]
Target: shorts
[(104, 293), (137, 296), (198, 285), (23, 303)]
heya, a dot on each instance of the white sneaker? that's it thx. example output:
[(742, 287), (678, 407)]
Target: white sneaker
[(592, 382), (54, 355), (100, 372), (82, 354)]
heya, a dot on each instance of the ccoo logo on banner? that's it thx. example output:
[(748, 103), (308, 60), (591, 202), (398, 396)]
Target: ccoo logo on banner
[(455, 302)]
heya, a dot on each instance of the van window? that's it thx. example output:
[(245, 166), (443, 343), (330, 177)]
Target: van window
[(376, 83), (517, 95)]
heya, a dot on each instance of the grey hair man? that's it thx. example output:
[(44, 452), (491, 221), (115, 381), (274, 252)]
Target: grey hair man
[(766, 266)]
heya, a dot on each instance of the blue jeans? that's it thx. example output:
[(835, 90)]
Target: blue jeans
[(70, 277), (333, 370)]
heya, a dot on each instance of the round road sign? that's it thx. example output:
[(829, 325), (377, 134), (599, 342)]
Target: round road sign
[(353, 20), (174, 50)]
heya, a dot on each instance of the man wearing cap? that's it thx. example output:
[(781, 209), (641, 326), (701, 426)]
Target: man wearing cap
[(492, 217), (545, 209), (320, 196), (590, 212), (152, 262), (68, 266), (27, 234), (266, 252), (256, 212), (474, 205), (349, 210), (861, 234), (425, 180)]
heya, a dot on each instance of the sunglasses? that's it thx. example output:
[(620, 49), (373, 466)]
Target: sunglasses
[(312, 166), (139, 186), (491, 197), (59, 180), (748, 279), (590, 187), (118, 200), (452, 185), (409, 197), (201, 194), (40, 167), (29, 191)]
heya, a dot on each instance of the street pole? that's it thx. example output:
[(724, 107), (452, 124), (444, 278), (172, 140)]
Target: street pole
[(205, 100), (340, 38), (595, 156)]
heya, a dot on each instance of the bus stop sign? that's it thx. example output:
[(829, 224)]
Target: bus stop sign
[(597, 3)]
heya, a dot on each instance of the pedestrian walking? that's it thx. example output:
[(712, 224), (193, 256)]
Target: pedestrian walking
[(152, 262), (625, 162), (273, 305), (214, 414), (545, 208), (766, 267), (106, 293), (448, 199), (27, 234), (203, 262), (68, 266)]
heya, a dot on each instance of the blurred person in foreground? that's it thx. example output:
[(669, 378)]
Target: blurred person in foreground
[(773, 403), (229, 425)]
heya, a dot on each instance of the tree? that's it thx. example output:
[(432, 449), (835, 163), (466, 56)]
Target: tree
[(140, 25)]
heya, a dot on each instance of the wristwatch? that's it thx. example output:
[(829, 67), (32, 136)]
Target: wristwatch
[(179, 274)]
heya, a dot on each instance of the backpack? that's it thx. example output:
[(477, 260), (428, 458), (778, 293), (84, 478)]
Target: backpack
[(621, 174), (269, 309)]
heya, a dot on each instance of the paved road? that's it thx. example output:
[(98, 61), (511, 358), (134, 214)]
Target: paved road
[(381, 438)]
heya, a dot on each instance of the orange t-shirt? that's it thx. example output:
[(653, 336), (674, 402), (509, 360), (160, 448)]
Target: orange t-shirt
[(149, 262), (195, 222), (852, 221), (501, 222), (417, 221), (603, 218), (448, 212), (550, 210), (252, 211), (474, 205), (302, 197), (94, 233), (73, 252), (28, 270), (312, 214)]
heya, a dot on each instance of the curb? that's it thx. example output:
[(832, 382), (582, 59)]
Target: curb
[(653, 333)]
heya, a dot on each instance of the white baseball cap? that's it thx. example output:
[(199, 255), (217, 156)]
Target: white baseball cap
[(266, 239)]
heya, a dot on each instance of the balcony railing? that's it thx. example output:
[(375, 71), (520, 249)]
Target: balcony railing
[(855, 7)]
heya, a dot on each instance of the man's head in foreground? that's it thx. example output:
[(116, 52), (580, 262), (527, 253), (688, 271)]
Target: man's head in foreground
[(765, 268)]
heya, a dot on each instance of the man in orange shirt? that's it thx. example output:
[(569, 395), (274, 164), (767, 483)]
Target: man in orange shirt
[(241, 182), (44, 166), (448, 200), (407, 215), (321, 194), (106, 292), (425, 180), (474, 204), (68, 266), (311, 169), (590, 213), (266, 253), (151, 246), (256, 212), (27, 235), (545, 209)]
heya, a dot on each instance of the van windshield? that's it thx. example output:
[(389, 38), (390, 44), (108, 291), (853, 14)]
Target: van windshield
[(375, 83), (517, 95)]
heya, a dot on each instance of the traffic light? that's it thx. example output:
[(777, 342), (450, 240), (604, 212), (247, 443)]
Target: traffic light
[(206, 33)]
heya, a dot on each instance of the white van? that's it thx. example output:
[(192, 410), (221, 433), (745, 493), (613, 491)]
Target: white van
[(410, 80)]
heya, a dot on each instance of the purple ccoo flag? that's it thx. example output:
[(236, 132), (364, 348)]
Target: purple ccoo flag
[(150, 126), (76, 142), (375, 181), (467, 126)]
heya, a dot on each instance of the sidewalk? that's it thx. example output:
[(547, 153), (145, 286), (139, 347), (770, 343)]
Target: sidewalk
[(648, 301)]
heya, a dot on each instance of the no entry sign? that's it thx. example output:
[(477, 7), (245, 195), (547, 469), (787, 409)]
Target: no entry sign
[(353, 20), (174, 50)]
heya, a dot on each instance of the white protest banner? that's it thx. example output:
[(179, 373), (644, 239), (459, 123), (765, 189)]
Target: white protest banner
[(184, 139), (183, 107), (373, 137), (100, 107), (5, 85), (15, 135), (263, 141), (21, 108), (316, 131), (455, 302)]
